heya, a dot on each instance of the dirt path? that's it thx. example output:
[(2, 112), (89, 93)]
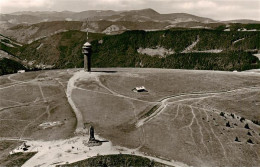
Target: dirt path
[(51, 153), (186, 97), (70, 87)]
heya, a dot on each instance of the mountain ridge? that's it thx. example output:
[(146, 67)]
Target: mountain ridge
[(156, 49), (140, 11)]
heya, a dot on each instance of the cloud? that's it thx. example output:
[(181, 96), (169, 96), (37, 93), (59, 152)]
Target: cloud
[(25, 3), (18, 5), (219, 9), (198, 4)]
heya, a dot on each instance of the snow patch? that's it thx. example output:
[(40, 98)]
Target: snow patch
[(198, 27), (257, 55), (30, 63), (68, 19), (12, 21), (238, 40), (159, 51), (46, 125), (244, 29), (44, 66), (151, 30), (189, 48), (7, 44), (39, 46), (170, 26), (207, 51), (113, 28)]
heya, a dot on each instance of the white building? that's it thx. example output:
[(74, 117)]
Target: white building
[(140, 89)]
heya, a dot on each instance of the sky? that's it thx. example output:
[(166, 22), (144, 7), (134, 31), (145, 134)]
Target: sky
[(215, 9)]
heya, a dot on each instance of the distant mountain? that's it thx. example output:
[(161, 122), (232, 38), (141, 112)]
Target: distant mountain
[(29, 33), (177, 40), (143, 15), (93, 15), (45, 13), (27, 26), (243, 21), (19, 19)]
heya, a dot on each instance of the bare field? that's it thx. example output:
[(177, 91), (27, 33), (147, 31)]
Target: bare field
[(162, 84), (191, 117), (30, 99), (187, 126)]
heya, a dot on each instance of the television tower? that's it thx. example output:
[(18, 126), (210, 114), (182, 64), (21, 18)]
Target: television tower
[(87, 51)]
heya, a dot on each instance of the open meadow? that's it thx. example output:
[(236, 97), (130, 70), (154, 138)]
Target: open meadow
[(199, 118), (189, 116)]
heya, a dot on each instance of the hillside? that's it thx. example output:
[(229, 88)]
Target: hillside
[(116, 161), (30, 33), (26, 27), (8, 66), (27, 33), (21, 25), (176, 48), (9, 62)]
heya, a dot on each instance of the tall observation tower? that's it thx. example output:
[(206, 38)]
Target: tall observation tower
[(87, 51)]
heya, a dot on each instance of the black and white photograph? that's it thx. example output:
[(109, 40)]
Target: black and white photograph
[(129, 83)]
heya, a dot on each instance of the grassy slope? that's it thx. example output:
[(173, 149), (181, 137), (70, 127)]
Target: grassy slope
[(12, 160), (17, 159), (26, 33)]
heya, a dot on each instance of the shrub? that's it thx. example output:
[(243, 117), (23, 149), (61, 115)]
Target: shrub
[(228, 124), (257, 122), (222, 114), (247, 126), (250, 141), (236, 139)]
